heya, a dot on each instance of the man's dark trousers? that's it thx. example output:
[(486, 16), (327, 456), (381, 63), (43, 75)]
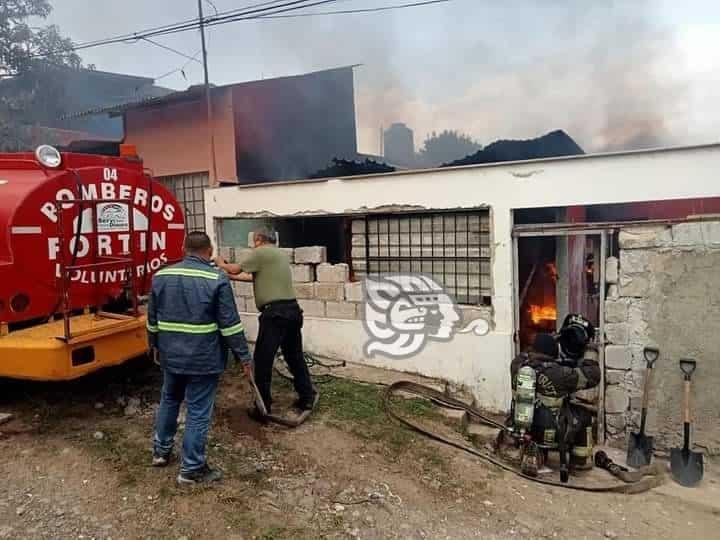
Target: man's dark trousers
[(281, 327)]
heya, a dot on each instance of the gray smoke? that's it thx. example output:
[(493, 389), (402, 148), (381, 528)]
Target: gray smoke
[(609, 73)]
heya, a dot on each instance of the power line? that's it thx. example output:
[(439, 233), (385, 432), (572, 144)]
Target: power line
[(133, 35), (192, 24), (358, 10), (171, 50), (180, 69), (256, 13)]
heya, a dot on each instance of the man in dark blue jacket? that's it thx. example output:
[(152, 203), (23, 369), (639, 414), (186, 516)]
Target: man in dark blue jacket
[(192, 321)]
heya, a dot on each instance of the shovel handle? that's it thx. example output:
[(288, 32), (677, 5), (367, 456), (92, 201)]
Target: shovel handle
[(646, 390), (686, 412), (651, 354)]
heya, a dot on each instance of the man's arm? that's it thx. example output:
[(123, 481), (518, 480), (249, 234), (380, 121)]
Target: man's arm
[(231, 268), (152, 322), (231, 328), (242, 276), (240, 271)]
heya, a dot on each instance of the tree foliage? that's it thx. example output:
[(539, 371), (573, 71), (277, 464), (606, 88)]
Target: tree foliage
[(29, 90), (440, 148)]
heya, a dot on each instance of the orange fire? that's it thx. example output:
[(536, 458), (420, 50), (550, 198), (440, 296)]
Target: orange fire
[(542, 313)]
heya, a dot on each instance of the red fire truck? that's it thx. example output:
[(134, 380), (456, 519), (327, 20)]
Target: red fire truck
[(80, 238)]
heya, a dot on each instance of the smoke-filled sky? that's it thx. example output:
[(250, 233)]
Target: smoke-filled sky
[(615, 75)]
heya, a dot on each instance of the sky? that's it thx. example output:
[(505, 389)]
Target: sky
[(615, 75)]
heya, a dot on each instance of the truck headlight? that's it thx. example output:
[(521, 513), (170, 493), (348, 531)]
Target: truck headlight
[(48, 156)]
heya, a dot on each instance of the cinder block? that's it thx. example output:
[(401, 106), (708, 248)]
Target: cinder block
[(354, 291), (634, 261), (711, 233), (311, 255), (332, 273), (290, 252), (618, 357), (334, 292), (302, 273), (615, 423), (240, 302), (243, 288), (312, 308), (617, 399), (634, 286), (616, 311), (304, 291), (617, 333), (687, 234), (611, 270), (614, 376), (644, 237), (227, 253), (341, 310), (251, 239)]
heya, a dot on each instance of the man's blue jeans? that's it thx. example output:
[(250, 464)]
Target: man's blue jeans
[(199, 394)]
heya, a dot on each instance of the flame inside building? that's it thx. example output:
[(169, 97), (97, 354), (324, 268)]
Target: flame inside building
[(538, 278)]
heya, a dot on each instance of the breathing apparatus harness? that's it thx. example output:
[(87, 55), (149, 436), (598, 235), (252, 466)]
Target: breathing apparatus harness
[(541, 421)]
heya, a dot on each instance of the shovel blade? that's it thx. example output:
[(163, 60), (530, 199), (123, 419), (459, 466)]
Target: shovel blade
[(686, 466), (640, 450)]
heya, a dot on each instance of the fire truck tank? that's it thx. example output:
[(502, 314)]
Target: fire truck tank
[(78, 232)]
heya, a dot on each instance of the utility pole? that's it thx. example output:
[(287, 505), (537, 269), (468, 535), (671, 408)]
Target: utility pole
[(212, 172)]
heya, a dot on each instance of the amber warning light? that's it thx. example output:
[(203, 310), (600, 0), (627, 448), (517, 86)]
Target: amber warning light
[(128, 151)]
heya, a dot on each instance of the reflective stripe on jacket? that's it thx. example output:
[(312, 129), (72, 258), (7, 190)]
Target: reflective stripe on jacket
[(193, 320)]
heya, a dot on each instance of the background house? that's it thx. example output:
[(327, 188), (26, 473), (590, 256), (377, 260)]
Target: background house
[(273, 129), (80, 89)]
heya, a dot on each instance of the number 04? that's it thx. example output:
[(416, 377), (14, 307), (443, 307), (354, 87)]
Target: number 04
[(110, 174)]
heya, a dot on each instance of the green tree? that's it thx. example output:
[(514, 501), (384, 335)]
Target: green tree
[(29, 91), (445, 147)]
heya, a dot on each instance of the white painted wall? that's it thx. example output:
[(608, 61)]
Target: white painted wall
[(482, 363)]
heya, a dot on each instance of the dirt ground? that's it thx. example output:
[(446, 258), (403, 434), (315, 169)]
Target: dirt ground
[(74, 463)]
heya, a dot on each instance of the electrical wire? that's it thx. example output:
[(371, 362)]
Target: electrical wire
[(359, 10), (192, 24), (172, 50), (272, 12), (179, 69)]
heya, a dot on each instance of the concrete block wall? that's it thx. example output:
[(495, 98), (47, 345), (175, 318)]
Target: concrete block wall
[(663, 291), (322, 289)]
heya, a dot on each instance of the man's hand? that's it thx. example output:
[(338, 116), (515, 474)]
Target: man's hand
[(220, 261), (248, 370)]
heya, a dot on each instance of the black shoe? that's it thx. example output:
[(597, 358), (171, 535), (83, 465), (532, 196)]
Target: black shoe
[(305, 404), (161, 460), (201, 476), (255, 414)]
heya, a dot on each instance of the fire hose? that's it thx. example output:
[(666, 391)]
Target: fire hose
[(644, 481)]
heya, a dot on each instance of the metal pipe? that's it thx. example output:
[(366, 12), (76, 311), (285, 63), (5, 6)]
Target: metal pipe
[(213, 169)]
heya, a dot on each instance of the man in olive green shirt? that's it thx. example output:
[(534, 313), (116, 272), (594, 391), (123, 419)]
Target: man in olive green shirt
[(281, 318)]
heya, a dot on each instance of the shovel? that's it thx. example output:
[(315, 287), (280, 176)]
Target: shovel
[(640, 446), (686, 466)]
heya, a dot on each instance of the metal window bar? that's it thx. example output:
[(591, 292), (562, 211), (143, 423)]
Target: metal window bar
[(458, 267)]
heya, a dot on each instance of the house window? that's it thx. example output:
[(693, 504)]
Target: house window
[(188, 189), (451, 247)]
